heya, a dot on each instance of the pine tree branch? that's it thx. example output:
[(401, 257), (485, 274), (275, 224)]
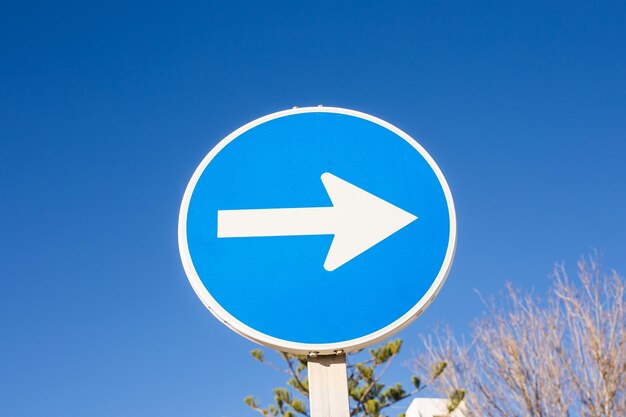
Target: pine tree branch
[(360, 403), (296, 375)]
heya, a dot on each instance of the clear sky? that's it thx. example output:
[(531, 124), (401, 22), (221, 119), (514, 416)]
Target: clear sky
[(106, 109)]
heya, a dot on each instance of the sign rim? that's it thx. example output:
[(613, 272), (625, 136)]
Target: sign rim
[(298, 347)]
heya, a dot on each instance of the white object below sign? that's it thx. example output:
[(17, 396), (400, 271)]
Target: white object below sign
[(434, 407)]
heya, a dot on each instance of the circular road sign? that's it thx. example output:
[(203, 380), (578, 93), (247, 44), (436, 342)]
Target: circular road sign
[(317, 229)]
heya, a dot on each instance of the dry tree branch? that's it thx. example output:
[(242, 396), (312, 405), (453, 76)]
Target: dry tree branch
[(565, 355)]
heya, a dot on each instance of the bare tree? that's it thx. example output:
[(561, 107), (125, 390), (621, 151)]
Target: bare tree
[(562, 356)]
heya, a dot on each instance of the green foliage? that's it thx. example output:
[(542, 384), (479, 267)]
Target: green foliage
[(372, 407), (298, 406), (416, 381), (369, 396), (367, 372), (437, 369), (249, 400), (455, 399), (257, 354), (387, 351), (394, 393)]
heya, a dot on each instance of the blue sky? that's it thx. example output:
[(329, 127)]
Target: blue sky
[(106, 110)]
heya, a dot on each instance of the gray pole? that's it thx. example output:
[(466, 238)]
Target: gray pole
[(328, 385)]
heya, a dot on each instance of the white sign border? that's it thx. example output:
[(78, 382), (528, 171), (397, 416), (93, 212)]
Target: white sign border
[(305, 348)]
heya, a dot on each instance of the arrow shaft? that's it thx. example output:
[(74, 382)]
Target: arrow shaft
[(275, 222)]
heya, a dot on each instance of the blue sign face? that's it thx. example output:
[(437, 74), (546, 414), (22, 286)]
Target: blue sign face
[(317, 229)]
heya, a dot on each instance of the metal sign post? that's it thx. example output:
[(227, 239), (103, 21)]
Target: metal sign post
[(328, 385)]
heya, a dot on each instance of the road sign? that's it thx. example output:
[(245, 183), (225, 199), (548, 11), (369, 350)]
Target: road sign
[(317, 229)]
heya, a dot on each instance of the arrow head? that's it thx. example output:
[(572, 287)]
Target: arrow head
[(361, 220)]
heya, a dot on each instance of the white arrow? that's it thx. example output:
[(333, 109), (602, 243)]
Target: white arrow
[(359, 220)]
